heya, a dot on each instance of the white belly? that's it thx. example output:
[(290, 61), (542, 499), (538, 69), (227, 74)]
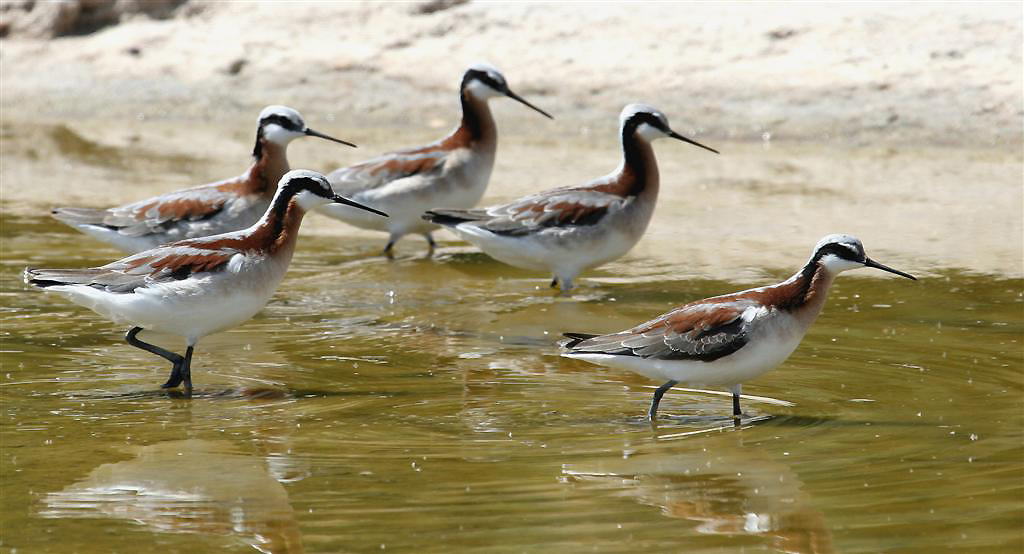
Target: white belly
[(461, 186), (191, 308), (761, 354)]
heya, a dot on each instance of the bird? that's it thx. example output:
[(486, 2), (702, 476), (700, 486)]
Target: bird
[(195, 287), (453, 171), (219, 207), (569, 229), (729, 339)]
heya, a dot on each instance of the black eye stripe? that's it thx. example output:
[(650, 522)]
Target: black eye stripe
[(838, 250), (281, 120), (308, 184), (648, 118), (483, 77), (640, 118)]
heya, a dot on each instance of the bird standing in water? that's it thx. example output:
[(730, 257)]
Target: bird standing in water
[(453, 171), (569, 229), (205, 210), (727, 340), (195, 287)]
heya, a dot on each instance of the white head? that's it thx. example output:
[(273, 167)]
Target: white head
[(648, 123), (838, 253), (484, 81), (310, 190), (281, 125)]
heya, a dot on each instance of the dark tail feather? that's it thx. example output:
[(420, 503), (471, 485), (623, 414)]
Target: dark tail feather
[(43, 278), (33, 277), (453, 217), (575, 338)]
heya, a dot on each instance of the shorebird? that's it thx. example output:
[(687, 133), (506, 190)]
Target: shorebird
[(219, 207), (726, 340), (453, 171), (569, 229), (199, 286)]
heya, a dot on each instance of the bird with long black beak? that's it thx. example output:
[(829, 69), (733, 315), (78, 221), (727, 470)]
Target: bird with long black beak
[(566, 230), (195, 287), (726, 340), (219, 207), (453, 171)]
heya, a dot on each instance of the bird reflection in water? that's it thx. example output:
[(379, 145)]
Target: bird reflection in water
[(187, 486), (726, 488)]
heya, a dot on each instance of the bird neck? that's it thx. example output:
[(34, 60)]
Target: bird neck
[(639, 170), (277, 231), (477, 122), (804, 293), (270, 163)]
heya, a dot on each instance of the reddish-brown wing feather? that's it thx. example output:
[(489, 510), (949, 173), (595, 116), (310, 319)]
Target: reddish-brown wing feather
[(700, 331)]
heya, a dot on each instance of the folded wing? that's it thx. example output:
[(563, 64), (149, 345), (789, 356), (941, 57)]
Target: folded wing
[(163, 264), (701, 331), (379, 171), (153, 215), (558, 208)]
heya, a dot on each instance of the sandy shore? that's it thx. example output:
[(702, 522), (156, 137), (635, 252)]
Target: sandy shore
[(932, 73), (900, 119)]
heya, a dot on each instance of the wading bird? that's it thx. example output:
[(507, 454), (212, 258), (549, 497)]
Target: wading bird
[(205, 210), (453, 171), (567, 230), (727, 340), (195, 287)]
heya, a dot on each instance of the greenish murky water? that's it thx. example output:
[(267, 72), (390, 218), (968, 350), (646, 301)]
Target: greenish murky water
[(420, 406)]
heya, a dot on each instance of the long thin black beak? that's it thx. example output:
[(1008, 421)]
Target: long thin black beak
[(520, 99), (868, 262), (311, 133), (676, 135), (342, 200)]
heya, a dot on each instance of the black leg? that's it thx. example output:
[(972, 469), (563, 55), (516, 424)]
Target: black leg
[(554, 282), (430, 243), (186, 369), (736, 413), (176, 360), (388, 250), (129, 337), (653, 412)]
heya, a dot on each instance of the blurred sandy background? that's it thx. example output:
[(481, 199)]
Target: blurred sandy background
[(910, 113)]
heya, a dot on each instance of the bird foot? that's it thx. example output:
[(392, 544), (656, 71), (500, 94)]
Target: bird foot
[(175, 378)]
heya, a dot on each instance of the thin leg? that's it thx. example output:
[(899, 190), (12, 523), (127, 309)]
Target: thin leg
[(653, 412), (430, 243), (554, 282), (175, 359), (388, 250), (175, 378), (130, 338), (736, 390), (186, 369)]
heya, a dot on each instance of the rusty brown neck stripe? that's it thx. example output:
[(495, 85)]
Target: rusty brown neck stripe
[(270, 163), (639, 171), (639, 163), (278, 227), (477, 121), (808, 285)]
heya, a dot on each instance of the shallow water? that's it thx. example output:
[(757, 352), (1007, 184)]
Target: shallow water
[(419, 405)]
